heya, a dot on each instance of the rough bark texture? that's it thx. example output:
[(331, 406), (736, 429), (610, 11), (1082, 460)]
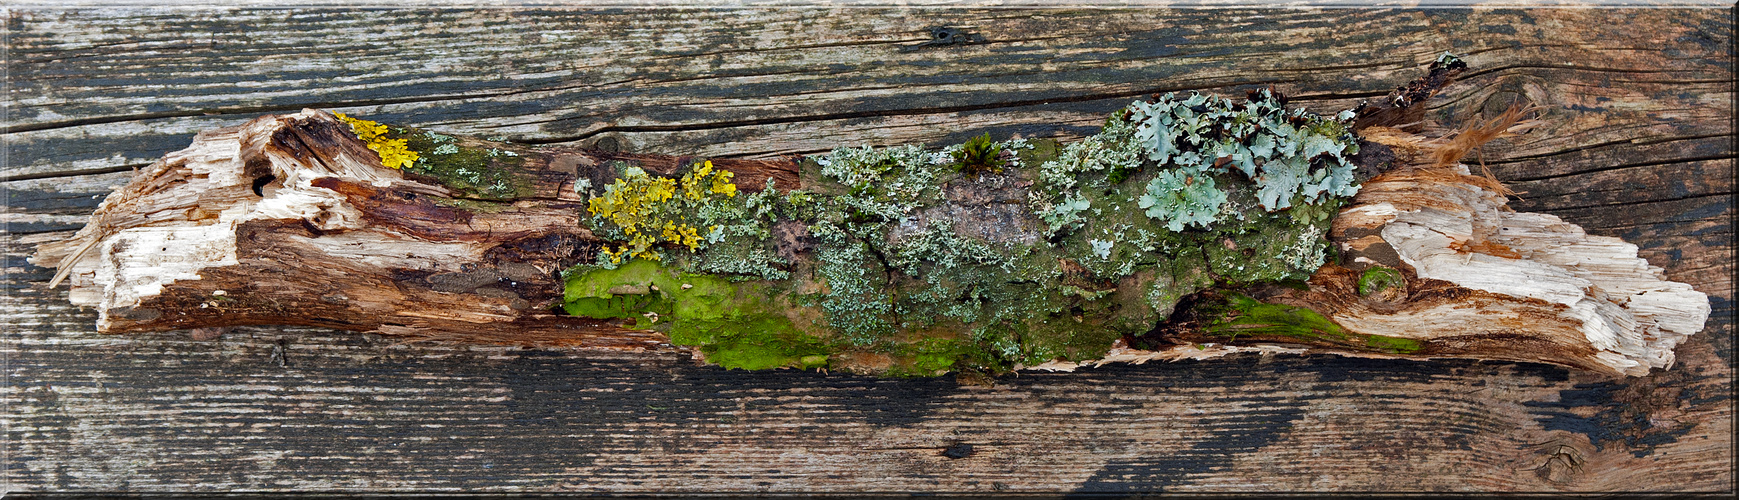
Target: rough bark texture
[(1639, 147), (291, 220)]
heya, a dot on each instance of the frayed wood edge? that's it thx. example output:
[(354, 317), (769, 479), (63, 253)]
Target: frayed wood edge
[(1120, 354), (1445, 152)]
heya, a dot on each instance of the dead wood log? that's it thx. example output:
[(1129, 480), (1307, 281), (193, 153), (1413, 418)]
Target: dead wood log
[(294, 220)]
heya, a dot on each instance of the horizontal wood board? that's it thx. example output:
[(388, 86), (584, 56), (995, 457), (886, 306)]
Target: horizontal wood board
[(1638, 143)]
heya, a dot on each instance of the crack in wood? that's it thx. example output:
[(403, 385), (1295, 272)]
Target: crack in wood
[(1630, 203), (234, 110), (878, 113), (72, 173), (1622, 166)]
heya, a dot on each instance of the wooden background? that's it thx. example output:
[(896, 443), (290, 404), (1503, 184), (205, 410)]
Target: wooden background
[(1638, 144)]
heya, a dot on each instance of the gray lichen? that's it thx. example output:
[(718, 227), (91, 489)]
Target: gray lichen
[(1288, 154)]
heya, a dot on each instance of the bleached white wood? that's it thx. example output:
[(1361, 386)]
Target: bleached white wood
[(182, 218), (1626, 308)]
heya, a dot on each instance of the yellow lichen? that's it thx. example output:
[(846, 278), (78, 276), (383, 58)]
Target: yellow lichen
[(642, 206), (696, 186), (393, 153)]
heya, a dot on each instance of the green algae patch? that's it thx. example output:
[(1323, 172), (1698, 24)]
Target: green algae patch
[(754, 342), (624, 292), (1392, 344), (1072, 335), (735, 324), (1251, 317), (929, 357), (1380, 280), (1184, 273), (813, 361), (1244, 316)]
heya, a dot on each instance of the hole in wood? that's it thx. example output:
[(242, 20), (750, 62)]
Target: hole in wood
[(260, 184)]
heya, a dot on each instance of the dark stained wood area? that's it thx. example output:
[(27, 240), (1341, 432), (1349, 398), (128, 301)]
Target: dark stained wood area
[(1637, 143)]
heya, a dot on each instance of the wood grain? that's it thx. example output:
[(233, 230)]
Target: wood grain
[(1638, 145)]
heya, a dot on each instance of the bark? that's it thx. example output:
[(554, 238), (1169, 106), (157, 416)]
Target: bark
[(292, 220)]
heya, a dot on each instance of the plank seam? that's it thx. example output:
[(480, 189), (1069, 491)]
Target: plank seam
[(1624, 166)]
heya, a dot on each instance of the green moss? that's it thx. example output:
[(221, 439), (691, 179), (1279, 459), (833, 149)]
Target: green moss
[(979, 155), (753, 342), (624, 292), (1039, 151), (1247, 317), (929, 357), (1058, 339), (1251, 317), (735, 324), (1378, 279), (813, 361), (1392, 344)]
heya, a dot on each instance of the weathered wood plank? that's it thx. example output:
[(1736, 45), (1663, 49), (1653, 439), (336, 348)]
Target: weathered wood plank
[(87, 412), (471, 418), (757, 83)]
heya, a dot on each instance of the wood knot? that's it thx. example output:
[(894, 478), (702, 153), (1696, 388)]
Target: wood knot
[(1561, 463), (943, 36), (957, 451)]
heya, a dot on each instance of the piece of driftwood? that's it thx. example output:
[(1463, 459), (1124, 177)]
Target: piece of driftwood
[(291, 219)]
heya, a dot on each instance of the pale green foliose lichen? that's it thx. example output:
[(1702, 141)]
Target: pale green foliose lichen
[(1287, 153), (1180, 198)]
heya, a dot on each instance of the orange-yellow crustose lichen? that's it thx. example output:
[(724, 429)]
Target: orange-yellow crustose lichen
[(649, 209), (393, 153)]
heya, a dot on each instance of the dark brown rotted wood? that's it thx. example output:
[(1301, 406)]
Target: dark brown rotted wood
[(1404, 108), (332, 238), (1634, 94)]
